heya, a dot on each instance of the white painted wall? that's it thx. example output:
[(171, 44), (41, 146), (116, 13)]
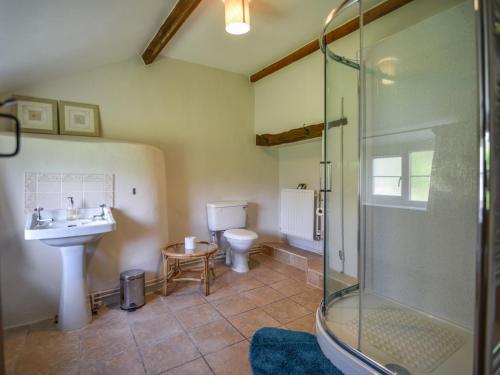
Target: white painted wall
[(201, 119), (30, 270)]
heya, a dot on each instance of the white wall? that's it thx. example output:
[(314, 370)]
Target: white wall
[(202, 120), (30, 270)]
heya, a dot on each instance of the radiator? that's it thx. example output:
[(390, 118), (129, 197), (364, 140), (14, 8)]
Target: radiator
[(297, 215)]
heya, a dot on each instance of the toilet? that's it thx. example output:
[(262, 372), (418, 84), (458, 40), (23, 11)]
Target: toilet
[(231, 218)]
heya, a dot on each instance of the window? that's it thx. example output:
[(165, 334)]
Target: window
[(420, 175), (387, 175), (400, 180)]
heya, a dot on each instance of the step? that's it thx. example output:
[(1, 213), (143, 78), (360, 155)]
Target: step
[(306, 261), (311, 263)]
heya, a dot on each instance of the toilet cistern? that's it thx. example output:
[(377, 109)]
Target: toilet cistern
[(230, 217)]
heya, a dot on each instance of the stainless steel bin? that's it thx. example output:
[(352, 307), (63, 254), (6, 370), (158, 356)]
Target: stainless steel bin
[(132, 289)]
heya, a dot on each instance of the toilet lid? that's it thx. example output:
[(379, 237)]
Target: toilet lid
[(240, 234)]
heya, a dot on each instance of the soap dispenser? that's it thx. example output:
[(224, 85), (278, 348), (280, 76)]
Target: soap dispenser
[(71, 211)]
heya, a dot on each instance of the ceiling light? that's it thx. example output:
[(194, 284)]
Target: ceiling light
[(237, 16)]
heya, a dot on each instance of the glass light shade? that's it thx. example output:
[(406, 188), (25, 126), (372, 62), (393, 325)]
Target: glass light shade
[(237, 16)]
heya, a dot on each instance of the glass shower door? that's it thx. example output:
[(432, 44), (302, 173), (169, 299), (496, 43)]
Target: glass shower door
[(405, 179)]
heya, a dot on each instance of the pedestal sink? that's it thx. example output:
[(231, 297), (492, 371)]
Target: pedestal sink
[(71, 236)]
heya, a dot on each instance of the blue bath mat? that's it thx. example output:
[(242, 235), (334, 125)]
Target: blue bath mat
[(275, 351)]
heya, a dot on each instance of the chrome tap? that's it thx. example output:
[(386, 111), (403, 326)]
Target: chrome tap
[(39, 220), (102, 215)]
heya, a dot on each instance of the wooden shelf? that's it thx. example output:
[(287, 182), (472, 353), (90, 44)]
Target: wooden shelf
[(298, 134)]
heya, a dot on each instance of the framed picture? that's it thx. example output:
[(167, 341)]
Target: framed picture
[(79, 119), (36, 115)]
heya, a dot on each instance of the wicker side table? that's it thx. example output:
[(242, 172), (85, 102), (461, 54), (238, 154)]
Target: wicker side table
[(177, 252)]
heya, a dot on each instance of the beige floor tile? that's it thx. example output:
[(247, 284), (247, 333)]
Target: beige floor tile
[(184, 287), (233, 360), (267, 262), (172, 352), (102, 345), (234, 305), (249, 322), (305, 324), (215, 336), (107, 345), (109, 315), (196, 367), (289, 287), (46, 335), (14, 343), (42, 361), (15, 338), (219, 290), (242, 283), (285, 311), (154, 307), (266, 275), (96, 338), (182, 301), (263, 296), (155, 329), (294, 273), (196, 316), (310, 299), (127, 362)]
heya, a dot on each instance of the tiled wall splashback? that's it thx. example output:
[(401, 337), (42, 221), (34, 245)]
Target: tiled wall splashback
[(50, 190)]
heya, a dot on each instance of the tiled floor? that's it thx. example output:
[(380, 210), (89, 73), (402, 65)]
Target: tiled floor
[(183, 333)]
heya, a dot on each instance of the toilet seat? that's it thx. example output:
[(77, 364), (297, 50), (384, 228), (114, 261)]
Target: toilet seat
[(240, 234)]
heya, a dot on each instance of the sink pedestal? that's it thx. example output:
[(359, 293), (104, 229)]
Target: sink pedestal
[(74, 306)]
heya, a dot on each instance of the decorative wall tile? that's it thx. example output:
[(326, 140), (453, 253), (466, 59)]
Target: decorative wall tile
[(30, 182), (93, 182), (29, 201), (51, 190), (109, 182), (49, 201), (109, 198), (72, 182), (93, 199), (49, 183)]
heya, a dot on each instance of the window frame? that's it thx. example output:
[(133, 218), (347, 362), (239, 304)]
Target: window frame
[(404, 200)]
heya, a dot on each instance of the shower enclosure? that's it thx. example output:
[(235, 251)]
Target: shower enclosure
[(407, 200)]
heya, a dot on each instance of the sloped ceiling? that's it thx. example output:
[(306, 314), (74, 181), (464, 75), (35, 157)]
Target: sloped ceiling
[(278, 27), (43, 39)]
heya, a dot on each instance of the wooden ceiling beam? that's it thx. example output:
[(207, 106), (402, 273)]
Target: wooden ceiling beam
[(294, 135), (341, 31), (172, 24)]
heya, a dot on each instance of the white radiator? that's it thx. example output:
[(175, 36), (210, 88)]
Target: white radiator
[(297, 213)]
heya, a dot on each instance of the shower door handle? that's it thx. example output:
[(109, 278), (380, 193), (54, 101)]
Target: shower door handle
[(325, 176)]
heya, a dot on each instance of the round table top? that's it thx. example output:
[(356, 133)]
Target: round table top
[(202, 248)]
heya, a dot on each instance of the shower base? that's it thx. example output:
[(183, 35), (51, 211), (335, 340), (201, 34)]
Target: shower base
[(393, 333)]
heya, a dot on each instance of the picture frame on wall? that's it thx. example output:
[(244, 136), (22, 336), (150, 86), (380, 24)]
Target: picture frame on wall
[(79, 119), (36, 115)]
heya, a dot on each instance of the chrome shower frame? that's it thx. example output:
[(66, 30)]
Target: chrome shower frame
[(486, 351)]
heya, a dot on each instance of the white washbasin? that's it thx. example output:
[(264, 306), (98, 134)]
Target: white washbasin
[(61, 228), (71, 236)]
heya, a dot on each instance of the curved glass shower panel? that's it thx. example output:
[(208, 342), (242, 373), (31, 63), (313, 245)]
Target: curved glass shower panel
[(418, 188), (341, 155)]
